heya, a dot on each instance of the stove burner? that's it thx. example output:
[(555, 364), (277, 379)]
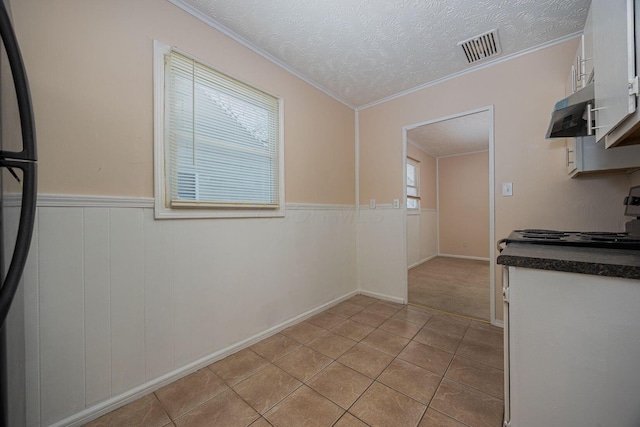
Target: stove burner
[(542, 236), (602, 233), (537, 234), (538, 231), (607, 237)]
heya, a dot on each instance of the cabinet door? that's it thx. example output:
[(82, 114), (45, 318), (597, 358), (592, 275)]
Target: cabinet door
[(614, 62), (587, 49)]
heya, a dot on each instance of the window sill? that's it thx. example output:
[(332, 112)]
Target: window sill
[(186, 213)]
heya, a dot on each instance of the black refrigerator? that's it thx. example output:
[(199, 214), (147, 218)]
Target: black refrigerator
[(17, 192)]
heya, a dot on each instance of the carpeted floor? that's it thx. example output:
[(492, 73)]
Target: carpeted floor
[(454, 285)]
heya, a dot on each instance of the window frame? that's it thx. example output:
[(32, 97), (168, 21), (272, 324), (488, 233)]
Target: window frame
[(416, 164), (162, 210)]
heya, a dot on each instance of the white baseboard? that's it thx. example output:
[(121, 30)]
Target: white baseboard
[(116, 402), (382, 296), (477, 258), (422, 262)]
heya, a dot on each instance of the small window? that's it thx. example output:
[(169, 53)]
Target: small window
[(413, 184), (218, 143)]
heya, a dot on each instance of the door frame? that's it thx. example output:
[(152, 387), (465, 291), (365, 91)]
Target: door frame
[(492, 246)]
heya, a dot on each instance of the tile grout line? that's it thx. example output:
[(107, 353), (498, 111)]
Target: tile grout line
[(479, 362), (440, 383), (163, 408), (449, 313)]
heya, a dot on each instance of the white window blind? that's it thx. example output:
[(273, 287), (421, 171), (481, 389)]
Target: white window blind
[(413, 183), (221, 139)]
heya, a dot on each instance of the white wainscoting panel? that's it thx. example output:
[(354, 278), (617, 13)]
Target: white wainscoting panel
[(127, 299), (97, 304), (159, 323), (428, 234), (115, 301), (422, 237), (413, 239), (62, 323), (184, 316), (381, 261)]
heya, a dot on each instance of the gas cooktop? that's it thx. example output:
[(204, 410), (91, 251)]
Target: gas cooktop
[(614, 240)]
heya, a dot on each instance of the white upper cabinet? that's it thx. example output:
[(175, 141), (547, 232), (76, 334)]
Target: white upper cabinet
[(614, 63)]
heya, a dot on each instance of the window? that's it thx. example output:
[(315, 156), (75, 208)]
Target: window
[(218, 142), (413, 184)]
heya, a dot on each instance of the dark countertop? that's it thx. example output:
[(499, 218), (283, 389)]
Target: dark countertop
[(600, 262)]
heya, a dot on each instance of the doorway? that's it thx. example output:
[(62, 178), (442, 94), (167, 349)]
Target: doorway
[(449, 221)]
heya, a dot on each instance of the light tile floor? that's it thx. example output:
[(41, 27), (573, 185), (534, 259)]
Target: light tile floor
[(457, 285), (363, 362)]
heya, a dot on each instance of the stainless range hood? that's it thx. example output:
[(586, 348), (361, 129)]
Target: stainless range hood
[(569, 116)]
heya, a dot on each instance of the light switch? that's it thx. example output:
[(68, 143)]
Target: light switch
[(507, 189), (396, 203), (372, 204)]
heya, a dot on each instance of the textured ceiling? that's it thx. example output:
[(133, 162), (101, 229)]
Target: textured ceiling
[(362, 51), (460, 135)]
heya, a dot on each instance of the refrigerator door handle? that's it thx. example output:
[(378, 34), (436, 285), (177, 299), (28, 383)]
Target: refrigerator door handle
[(23, 94), (25, 233)]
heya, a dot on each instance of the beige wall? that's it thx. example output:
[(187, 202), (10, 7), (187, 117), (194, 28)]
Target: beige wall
[(90, 69), (463, 183), (522, 90), (427, 176)]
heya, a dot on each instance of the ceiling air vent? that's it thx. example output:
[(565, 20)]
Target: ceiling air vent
[(481, 47)]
